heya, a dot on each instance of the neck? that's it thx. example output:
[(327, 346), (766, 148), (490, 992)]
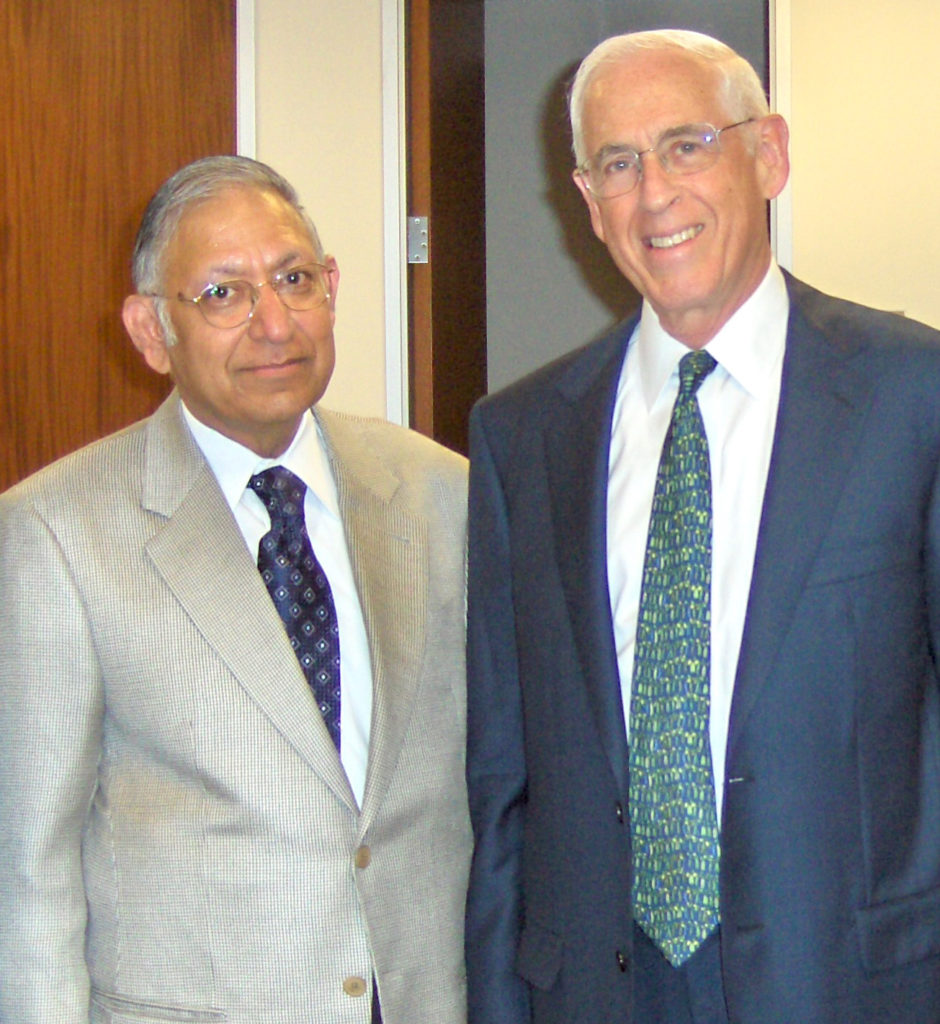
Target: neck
[(695, 327)]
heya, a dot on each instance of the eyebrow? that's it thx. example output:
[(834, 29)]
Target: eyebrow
[(614, 147), (626, 147), (681, 129), (232, 271)]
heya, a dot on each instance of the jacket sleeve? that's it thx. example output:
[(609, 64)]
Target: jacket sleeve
[(496, 773), (51, 709)]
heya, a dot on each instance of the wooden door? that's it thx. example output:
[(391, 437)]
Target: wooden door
[(102, 100), (447, 295)]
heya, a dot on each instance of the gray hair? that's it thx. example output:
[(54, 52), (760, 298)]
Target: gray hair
[(740, 89), (193, 184)]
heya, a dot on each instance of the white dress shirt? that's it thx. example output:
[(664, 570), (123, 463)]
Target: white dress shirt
[(233, 466), (738, 402)]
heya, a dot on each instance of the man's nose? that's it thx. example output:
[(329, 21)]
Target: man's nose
[(658, 187), (270, 318)]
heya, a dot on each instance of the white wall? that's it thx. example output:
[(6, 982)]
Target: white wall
[(865, 108), (318, 120)]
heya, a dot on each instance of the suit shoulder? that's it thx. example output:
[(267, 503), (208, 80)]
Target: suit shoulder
[(399, 449), (850, 323), (104, 467), (568, 375)]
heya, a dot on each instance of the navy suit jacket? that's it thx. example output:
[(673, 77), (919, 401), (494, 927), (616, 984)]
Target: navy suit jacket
[(830, 871)]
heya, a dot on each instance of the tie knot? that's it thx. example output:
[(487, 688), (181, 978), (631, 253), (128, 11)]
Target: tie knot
[(693, 369), (282, 493)]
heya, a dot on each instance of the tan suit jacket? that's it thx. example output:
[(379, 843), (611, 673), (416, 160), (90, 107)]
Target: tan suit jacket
[(178, 840)]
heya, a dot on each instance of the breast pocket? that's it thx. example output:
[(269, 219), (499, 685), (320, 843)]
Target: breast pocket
[(855, 558)]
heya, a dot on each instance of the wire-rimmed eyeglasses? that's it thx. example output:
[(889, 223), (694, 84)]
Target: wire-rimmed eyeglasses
[(232, 303), (687, 149)]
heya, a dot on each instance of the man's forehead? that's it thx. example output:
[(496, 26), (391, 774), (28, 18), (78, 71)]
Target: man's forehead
[(265, 205), (667, 61), (222, 231), (636, 99)]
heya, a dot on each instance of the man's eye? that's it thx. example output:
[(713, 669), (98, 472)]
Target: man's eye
[(617, 165), (221, 295), (299, 279), (686, 149)]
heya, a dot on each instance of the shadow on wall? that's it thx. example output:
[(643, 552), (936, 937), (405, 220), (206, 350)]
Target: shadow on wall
[(577, 238)]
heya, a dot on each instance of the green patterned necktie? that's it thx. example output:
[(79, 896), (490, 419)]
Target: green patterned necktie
[(672, 794)]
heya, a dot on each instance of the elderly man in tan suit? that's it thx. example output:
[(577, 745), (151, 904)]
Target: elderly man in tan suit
[(184, 834)]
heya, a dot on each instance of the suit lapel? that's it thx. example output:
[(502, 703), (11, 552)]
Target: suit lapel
[(220, 589), (825, 394), (577, 447), (388, 549)]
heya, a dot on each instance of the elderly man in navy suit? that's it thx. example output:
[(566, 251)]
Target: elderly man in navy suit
[(704, 719)]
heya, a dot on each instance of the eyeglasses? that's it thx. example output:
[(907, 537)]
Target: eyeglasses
[(232, 303), (617, 170)]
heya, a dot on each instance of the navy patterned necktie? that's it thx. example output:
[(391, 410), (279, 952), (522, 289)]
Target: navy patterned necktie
[(300, 589), (672, 795)]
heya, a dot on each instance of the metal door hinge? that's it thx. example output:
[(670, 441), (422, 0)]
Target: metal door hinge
[(417, 240)]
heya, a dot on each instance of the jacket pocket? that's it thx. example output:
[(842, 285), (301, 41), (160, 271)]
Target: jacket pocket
[(846, 560), (900, 932), (108, 1008), (538, 958)]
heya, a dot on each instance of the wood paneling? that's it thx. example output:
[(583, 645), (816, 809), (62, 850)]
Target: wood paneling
[(103, 99)]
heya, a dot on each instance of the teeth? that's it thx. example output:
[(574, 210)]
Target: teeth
[(668, 241)]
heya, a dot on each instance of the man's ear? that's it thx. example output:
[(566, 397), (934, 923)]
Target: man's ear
[(773, 154), (332, 277), (593, 206), (143, 325)]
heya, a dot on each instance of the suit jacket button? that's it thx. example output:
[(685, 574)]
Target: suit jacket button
[(363, 857), (354, 986), (619, 812), (622, 962)]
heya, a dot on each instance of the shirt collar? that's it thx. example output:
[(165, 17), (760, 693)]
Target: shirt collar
[(749, 347), (233, 464)]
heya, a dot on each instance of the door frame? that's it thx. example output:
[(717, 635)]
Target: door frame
[(394, 203), (245, 107), (781, 208)]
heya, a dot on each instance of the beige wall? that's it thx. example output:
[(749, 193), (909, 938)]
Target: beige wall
[(318, 120), (865, 109)]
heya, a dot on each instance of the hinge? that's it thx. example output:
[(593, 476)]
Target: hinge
[(417, 240)]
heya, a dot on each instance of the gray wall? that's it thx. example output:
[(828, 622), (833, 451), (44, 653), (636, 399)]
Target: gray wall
[(550, 284)]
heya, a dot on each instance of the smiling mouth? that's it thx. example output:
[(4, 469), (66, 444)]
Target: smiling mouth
[(668, 241), (267, 369)]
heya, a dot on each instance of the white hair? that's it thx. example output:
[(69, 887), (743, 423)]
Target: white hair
[(740, 88)]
